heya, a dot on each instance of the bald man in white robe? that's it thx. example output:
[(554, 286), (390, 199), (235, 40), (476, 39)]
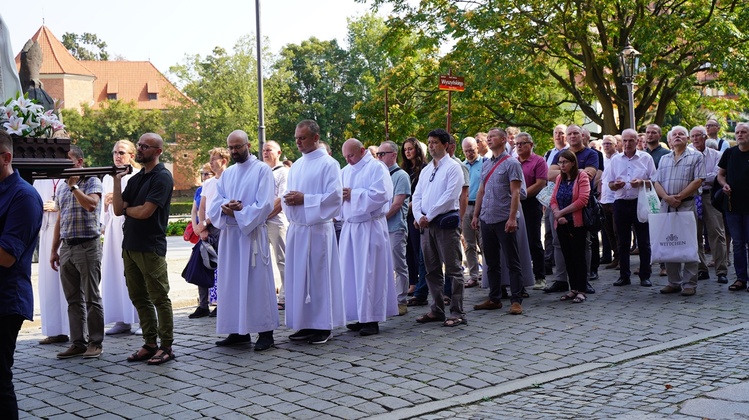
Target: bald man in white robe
[(243, 201), (366, 258)]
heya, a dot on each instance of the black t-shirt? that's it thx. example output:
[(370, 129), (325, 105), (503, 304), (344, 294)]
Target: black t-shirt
[(148, 235), (736, 164)]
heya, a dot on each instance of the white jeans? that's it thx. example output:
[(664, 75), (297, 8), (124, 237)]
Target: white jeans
[(277, 237)]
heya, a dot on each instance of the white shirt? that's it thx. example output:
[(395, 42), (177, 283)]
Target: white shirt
[(607, 196), (439, 188), (712, 157), (623, 168)]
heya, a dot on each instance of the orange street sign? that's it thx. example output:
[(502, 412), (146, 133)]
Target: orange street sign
[(453, 83)]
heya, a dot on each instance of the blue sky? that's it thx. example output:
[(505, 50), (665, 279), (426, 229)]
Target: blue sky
[(164, 31)]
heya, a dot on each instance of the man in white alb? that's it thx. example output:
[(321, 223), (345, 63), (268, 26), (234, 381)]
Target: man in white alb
[(245, 274), (366, 263)]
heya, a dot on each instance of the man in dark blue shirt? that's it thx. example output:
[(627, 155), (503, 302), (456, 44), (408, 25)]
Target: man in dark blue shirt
[(20, 221)]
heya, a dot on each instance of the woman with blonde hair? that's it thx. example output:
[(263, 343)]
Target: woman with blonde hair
[(114, 296)]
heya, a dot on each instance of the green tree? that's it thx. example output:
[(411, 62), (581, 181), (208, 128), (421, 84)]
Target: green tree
[(222, 92), (96, 130), (312, 80), (534, 54), (408, 71), (85, 47)]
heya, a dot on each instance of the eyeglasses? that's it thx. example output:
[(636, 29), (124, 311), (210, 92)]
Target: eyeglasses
[(237, 147), (382, 154), (119, 152), (563, 162), (143, 146), (712, 125), (206, 174), (431, 178), (522, 143)]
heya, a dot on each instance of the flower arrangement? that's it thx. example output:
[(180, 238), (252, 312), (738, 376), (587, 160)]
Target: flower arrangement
[(26, 118)]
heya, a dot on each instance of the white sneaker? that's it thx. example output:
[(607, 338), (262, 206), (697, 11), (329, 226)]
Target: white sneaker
[(139, 331), (119, 328)]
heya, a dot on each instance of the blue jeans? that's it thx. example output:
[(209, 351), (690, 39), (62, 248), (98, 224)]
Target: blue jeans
[(738, 226)]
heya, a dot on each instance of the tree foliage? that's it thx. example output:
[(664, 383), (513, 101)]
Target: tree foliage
[(96, 130), (222, 91), (86, 47), (531, 62), (313, 80)]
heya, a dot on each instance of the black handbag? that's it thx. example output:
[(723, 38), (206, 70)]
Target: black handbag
[(449, 220), (593, 214)]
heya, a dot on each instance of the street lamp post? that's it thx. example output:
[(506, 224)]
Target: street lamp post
[(629, 62)]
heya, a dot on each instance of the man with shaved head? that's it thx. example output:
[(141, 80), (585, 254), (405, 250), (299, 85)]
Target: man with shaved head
[(245, 275), (366, 262), (145, 204)]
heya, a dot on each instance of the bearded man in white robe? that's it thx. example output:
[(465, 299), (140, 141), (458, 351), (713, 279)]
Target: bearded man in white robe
[(314, 289), (52, 303), (366, 258), (244, 199)]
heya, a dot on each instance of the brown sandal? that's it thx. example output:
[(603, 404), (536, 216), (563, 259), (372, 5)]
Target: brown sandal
[(138, 356), (165, 356), (737, 285)]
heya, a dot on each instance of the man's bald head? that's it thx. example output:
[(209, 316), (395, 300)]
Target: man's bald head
[(353, 151), (239, 146)]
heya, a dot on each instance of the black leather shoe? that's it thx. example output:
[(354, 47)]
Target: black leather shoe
[(722, 279), (646, 283), (589, 289), (234, 339), (264, 341), (356, 326), (369, 328), (557, 286), (622, 282), (703, 275), (199, 313), (593, 276), (214, 313)]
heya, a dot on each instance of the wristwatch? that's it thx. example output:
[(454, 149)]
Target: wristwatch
[(74, 187), (124, 211)]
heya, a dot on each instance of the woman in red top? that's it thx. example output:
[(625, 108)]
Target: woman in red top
[(569, 198)]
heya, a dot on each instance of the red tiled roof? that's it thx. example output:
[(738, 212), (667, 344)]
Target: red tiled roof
[(56, 58), (132, 81)]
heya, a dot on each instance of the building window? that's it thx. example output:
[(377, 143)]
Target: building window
[(153, 96), (111, 96)]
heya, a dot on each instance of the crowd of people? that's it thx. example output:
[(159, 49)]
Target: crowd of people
[(372, 239)]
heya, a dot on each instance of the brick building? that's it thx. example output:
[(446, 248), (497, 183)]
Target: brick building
[(94, 82)]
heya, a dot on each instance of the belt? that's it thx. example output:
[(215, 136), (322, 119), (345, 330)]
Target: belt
[(77, 241), (706, 190), (472, 203), (687, 199)]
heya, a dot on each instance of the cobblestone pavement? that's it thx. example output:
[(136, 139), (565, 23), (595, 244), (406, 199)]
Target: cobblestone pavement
[(411, 370), (708, 379)]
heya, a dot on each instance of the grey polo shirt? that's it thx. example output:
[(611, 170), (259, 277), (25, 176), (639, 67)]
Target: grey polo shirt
[(495, 205)]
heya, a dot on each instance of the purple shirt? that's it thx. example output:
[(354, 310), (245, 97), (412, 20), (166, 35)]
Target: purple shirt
[(534, 168)]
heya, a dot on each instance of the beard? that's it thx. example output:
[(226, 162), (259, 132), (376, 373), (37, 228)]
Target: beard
[(140, 158), (240, 157)]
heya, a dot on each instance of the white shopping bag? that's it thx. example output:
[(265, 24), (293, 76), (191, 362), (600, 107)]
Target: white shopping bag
[(673, 237), (544, 196), (647, 203)]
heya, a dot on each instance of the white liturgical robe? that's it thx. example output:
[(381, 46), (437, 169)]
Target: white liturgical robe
[(314, 289), (245, 274), (52, 303), (114, 296), (366, 257)]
